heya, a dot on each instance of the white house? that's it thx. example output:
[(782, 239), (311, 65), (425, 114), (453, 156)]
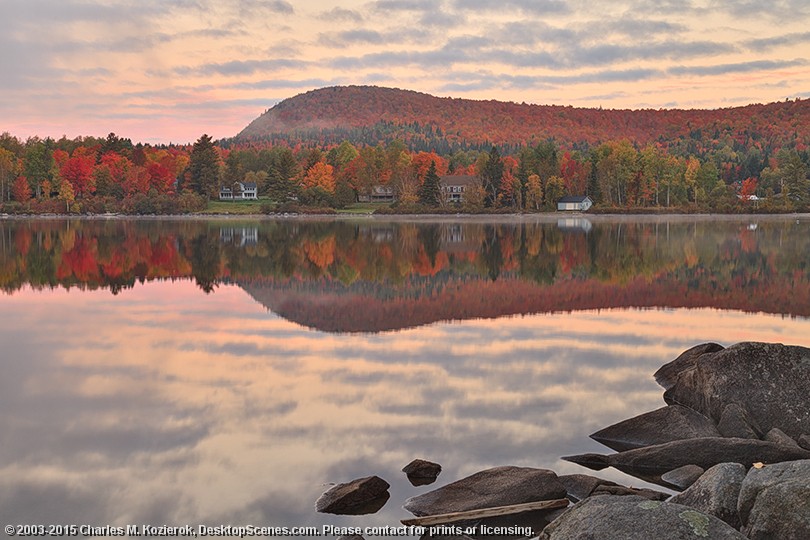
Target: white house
[(455, 188), (239, 191), (576, 203)]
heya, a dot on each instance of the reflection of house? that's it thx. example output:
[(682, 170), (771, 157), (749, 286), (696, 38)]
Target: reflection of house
[(455, 188), (241, 236), (577, 203), (239, 191), (377, 233), (574, 224), (378, 194)]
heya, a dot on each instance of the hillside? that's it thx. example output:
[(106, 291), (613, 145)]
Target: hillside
[(370, 115)]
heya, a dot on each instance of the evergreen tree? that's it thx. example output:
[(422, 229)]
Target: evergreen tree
[(430, 192), (203, 167), (492, 175)]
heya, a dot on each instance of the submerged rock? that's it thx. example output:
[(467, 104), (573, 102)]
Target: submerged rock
[(358, 497), (609, 518), (774, 501), (716, 492), (775, 377), (660, 426), (421, 472), (651, 462), (683, 477), (498, 486)]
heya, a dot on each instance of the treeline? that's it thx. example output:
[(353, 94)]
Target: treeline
[(114, 175)]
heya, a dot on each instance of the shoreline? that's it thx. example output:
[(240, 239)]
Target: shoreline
[(424, 218)]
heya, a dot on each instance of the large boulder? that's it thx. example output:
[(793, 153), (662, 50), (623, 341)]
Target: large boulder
[(499, 486), (650, 462), (775, 378), (716, 492), (635, 518), (683, 477), (662, 425), (362, 496), (774, 501)]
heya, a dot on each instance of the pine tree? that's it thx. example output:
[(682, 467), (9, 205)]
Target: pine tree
[(203, 167), (430, 192), (492, 175)]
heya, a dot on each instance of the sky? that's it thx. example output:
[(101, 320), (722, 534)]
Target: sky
[(161, 71)]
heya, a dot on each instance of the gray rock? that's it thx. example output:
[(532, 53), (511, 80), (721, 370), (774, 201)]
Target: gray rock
[(498, 486), (778, 436), (651, 462), (421, 472), (716, 492), (351, 537), (667, 375), (683, 477), (775, 377), (736, 422), (774, 501), (581, 486), (634, 518), (656, 427), (804, 441), (358, 497)]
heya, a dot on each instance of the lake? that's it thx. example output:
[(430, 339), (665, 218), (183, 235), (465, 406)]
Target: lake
[(174, 372)]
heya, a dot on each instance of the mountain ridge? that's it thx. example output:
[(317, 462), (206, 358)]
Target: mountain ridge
[(354, 112)]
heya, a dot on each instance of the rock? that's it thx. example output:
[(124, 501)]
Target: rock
[(736, 422), (421, 472), (716, 492), (351, 537), (650, 462), (608, 518), (774, 501), (804, 441), (775, 377), (624, 491), (498, 486), (656, 427), (683, 477), (778, 436), (581, 486), (667, 375), (358, 497)]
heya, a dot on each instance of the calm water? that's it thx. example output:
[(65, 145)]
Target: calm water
[(221, 372)]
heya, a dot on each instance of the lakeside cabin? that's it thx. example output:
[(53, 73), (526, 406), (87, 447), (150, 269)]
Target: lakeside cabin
[(574, 203), (454, 188), (239, 191)]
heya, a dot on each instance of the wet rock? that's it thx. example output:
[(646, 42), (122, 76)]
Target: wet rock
[(651, 462), (358, 497), (774, 501), (582, 486), (608, 518), (736, 422), (662, 425), (716, 492), (778, 436), (421, 472), (804, 442), (775, 377), (667, 375), (498, 486), (683, 477)]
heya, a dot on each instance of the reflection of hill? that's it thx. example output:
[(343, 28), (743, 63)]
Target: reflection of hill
[(328, 306)]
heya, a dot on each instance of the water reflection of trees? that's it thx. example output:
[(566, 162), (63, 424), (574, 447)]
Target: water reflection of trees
[(410, 259)]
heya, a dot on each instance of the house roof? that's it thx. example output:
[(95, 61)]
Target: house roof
[(573, 199), (460, 180), (249, 185)]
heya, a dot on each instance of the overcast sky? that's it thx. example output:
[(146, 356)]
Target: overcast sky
[(170, 70)]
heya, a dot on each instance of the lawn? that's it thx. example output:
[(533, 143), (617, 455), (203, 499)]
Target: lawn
[(362, 208), (236, 207)]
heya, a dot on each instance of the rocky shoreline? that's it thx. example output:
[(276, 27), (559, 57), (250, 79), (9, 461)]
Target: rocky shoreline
[(733, 441)]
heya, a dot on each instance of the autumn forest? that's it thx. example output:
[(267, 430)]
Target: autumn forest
[(331, 147)]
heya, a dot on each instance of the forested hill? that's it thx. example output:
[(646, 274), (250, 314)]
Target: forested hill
[(371, 115)]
